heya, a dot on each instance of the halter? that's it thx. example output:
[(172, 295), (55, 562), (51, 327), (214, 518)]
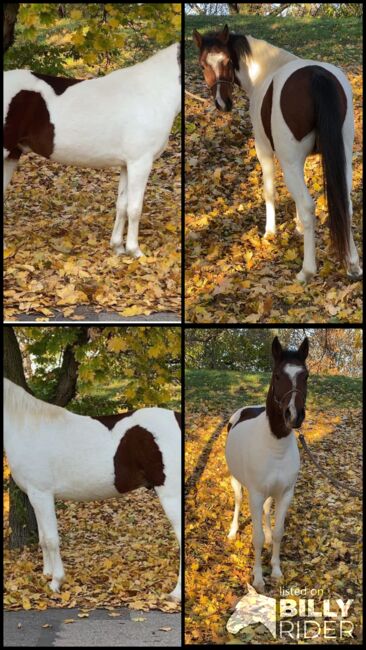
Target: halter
[(222, 81), (293, 390)]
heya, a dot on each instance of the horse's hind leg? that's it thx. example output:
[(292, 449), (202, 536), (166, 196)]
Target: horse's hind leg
[(353, 263), (138, 174), (238, 498), (267, 521), (294, 178), (173, 510), (44, 508), (121, 213)]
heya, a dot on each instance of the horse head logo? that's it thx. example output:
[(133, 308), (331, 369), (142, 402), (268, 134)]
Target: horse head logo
[(253, 608)]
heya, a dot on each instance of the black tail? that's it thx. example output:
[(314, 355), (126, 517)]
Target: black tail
[(329, 116)]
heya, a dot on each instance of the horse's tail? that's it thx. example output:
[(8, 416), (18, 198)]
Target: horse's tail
[(329, 121)]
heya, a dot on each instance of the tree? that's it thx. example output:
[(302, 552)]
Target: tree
[(66, 365), (22, 519), (10, 13)]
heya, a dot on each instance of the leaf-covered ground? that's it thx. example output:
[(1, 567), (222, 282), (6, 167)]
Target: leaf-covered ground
[(58, 225), (117, 552), (321, 548), (232, 273)]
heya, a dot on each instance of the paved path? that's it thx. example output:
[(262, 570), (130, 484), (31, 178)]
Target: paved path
[(89, 315), (131, 629)]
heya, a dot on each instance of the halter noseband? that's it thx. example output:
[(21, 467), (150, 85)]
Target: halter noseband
[(293, 390), (222, 81)]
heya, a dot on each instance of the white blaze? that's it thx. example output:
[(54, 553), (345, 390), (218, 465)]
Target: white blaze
[(214, 59), (292, 371)]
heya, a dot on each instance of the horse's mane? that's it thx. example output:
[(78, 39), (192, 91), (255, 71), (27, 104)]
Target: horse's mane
[(20, 401)]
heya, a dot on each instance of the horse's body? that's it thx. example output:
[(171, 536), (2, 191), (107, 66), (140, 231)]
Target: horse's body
[(262, 453), (121, 120), (297, 107), (54, 453)]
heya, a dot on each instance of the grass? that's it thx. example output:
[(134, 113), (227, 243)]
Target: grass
[(329, 39), (205, 386)]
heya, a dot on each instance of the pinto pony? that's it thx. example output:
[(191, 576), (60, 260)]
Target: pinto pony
[(54, 453), (262, 453), (298, 107), (121, 120)]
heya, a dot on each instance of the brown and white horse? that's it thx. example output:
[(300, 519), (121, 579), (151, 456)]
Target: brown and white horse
[(54, 453), (262, 452), (121, 120), (297, 107)]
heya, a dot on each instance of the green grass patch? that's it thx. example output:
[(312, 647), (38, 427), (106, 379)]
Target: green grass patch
[(217, 389), (338, 41)]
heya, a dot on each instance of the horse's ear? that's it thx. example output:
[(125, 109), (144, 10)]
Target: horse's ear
[(197, 38), (303, 350), (276, 349), (224, 35)]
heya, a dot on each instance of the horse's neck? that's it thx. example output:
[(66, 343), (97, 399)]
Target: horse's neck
[(276, 423), (265, 60), (163, 72)]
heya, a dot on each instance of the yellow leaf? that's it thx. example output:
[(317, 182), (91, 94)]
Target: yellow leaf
[(117, 344), (26, 603), (291, 254), (76, 14), (131, 311)]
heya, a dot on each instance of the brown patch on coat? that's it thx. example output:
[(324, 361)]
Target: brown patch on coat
[(28, 124), (266, 112), (138, 461), (297, 101), (247, 413), (58, 84), (178, 417), (111, 420)]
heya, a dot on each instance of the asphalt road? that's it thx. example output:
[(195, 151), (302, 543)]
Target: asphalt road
[(84, 314), (131, 629)]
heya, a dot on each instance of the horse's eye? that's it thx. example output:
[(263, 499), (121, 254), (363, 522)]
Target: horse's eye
[(277, 375)]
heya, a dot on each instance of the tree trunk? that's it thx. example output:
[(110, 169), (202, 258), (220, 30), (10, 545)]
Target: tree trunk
[(66, 385), (10, 13), (22, 519)]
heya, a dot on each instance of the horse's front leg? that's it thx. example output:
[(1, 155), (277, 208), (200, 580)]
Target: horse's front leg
[(265, 158), (138, 174), (256, 502), (121, 213), (44, 508), (281, 508)]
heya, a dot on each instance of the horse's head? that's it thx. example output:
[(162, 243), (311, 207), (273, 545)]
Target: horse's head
[(288, 386), (218, 68)]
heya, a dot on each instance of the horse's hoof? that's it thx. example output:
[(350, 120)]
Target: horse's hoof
[(259, 586), (134, 252), (119, 250), (304, 276)]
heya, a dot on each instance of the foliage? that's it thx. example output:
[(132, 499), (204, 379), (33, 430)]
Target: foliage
[(323, 534), (332, 350), (339, 10), (60, 258), (233, 274), (119, 368), (115, 554), (95, 33)]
